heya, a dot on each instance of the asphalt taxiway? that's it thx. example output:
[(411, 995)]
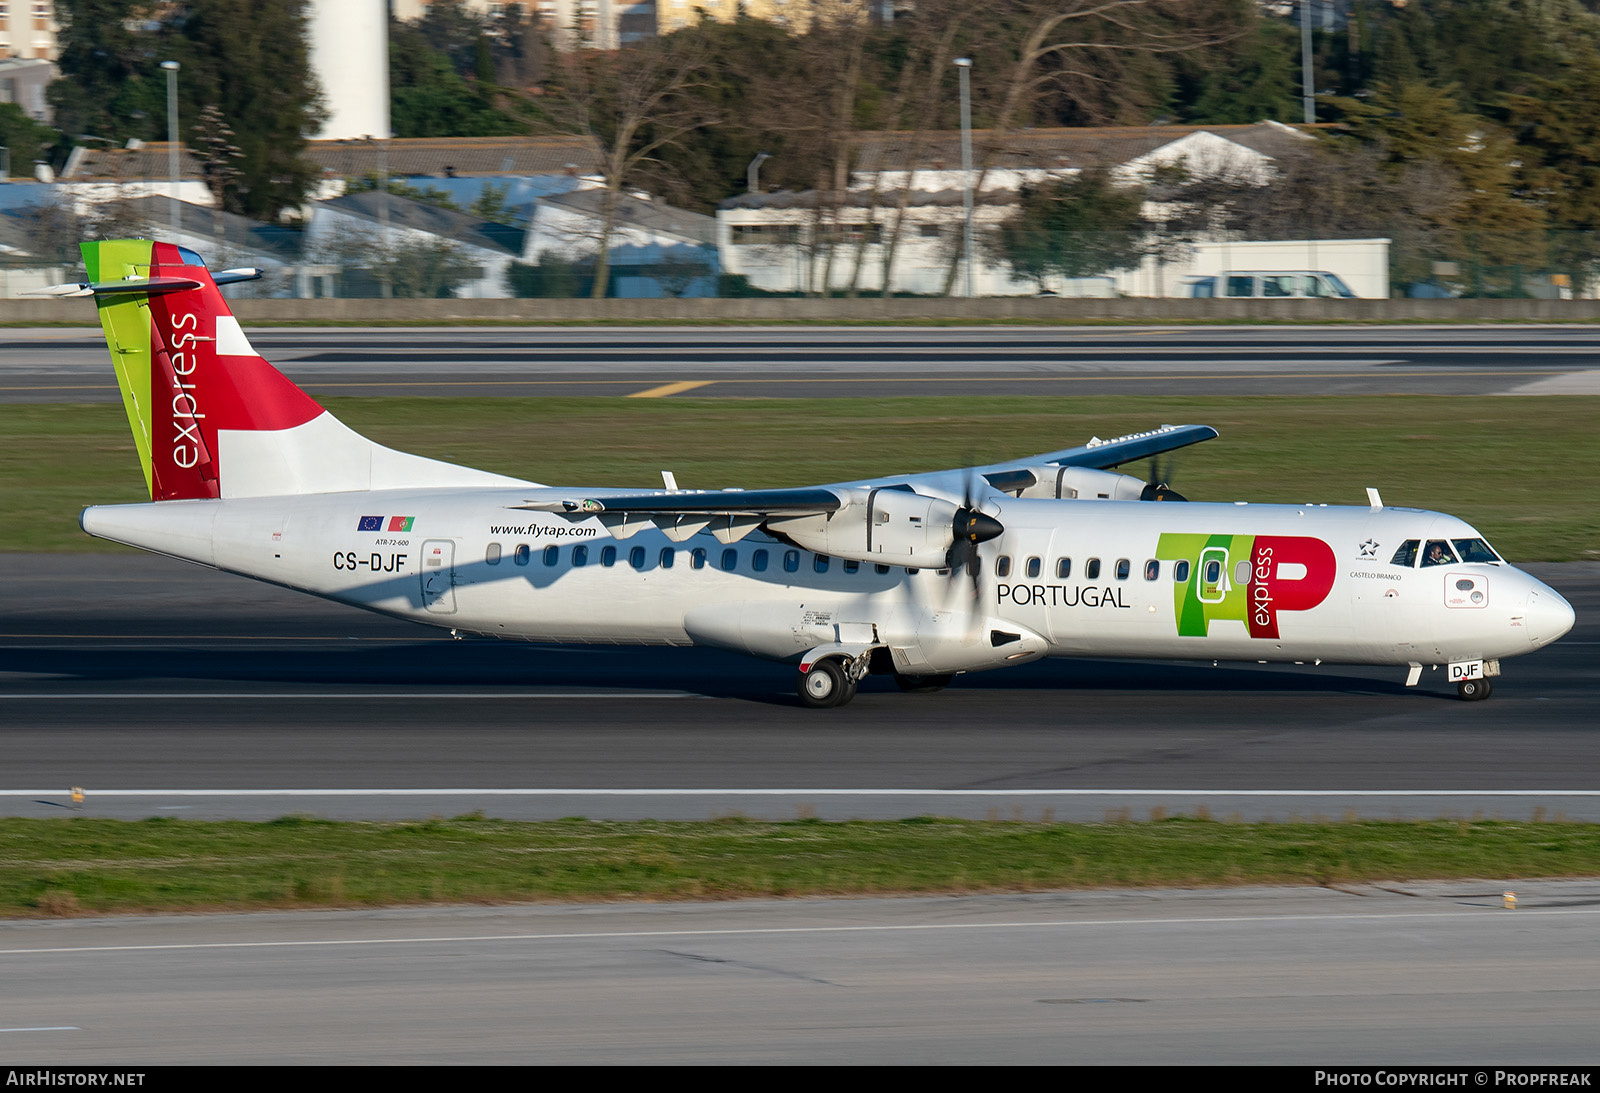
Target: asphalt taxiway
[(69, 364), (1392, 975)]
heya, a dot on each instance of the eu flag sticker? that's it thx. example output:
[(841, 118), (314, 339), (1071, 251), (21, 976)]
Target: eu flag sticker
[(370, 523), (400, 523)]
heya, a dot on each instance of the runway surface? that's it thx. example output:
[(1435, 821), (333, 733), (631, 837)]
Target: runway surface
[(1394, 975), (68, 365), (163, 688)]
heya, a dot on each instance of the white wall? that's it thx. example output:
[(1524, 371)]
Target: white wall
[(350, 57)]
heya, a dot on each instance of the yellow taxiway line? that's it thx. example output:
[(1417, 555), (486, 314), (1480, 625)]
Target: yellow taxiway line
[(671, 389)]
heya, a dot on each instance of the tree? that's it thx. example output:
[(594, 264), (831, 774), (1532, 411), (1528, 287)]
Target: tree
[(1074, 50), (248, 58), (635, 102), (111, 83), (430, 98), (1080, 227), (1245, 78), (24, 139)]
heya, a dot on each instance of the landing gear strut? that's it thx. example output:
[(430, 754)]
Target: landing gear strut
[(1473, 690)]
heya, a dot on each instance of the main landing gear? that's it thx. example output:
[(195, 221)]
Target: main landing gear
[(832, 680), (828, 682)]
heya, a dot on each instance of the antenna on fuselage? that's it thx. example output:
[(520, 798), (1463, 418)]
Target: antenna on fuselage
[(1373, 499)]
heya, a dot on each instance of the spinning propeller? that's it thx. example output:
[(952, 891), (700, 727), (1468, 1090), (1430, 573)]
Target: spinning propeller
[(1157, 485)]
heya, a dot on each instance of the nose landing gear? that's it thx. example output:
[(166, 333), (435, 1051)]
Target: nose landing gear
[(1473, 690)]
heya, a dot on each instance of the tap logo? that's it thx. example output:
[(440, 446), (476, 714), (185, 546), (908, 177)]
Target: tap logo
[(1250, 578)]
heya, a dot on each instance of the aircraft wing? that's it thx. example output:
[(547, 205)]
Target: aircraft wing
[(1101, 454), (1097, 454), (807, 499)]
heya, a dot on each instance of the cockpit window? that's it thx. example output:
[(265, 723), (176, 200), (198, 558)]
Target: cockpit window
[(1407, 554), (1438, 552), (1475, 550)]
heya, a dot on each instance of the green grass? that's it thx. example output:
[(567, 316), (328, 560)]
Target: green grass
[(60, 867), (1517, 468)]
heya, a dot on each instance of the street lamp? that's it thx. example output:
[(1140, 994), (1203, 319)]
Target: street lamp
[(965, 65), (1308, 91), (752, 173), (172, 141)]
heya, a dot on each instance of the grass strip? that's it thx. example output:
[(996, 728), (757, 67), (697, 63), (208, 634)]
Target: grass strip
[(1508, 465), (94, 866)]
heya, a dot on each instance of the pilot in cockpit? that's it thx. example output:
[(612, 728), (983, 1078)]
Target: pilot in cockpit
[(1438, 553)]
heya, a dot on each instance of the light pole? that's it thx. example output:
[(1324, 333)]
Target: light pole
[(752, 173), (172, 141), (965, 65), (1307, 79)]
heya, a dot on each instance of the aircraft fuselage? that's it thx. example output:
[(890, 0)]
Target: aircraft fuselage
[(1066, 578)]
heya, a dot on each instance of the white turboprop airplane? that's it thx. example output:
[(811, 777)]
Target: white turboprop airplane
[(922, 576)]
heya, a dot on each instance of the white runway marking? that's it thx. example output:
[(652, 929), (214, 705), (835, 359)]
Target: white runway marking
[(1486, 914), (44, 696), (45, 1028), (812, 792)]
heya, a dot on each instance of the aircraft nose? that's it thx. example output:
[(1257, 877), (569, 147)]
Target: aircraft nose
[(1549, 615)]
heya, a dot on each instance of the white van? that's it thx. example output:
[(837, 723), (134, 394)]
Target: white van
[(1252, 285)]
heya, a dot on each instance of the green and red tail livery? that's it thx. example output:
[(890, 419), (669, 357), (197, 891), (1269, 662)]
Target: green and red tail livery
[(186, 369)]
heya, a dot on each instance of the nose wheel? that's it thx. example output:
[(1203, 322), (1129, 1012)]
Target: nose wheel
[(1473, 690)]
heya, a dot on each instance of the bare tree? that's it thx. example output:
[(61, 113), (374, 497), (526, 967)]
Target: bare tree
[(1071, 46), (635, 102)]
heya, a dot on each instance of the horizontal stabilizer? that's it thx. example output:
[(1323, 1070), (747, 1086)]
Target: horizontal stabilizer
[(148, 286)]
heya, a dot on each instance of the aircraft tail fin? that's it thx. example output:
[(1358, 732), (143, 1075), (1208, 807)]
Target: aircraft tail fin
[(210, 417)]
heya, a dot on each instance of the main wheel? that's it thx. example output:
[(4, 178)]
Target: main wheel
[(1474, 690), (826, 684), (921, 685)]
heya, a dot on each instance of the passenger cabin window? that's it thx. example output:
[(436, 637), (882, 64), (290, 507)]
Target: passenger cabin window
[(820, 563), (851, 565), (880, 568), (1406, 553), (1002, 566), (1091, 569), (492, 554), (636, 557), (522, 554), (1180, 572), (1124, 567), (608, 556), (1152, 570), (1063, 568), (758, 561), (551, 554), (1034, 566), (730, 559), (666, 557), (1213, 571), (791, 561), (697, 558), (1437, 552), (580, 555)]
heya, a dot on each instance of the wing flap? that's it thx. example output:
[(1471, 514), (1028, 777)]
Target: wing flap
[(800, 501)]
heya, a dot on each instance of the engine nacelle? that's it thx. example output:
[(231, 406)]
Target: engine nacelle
[(1068, 483), (888, 526)]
